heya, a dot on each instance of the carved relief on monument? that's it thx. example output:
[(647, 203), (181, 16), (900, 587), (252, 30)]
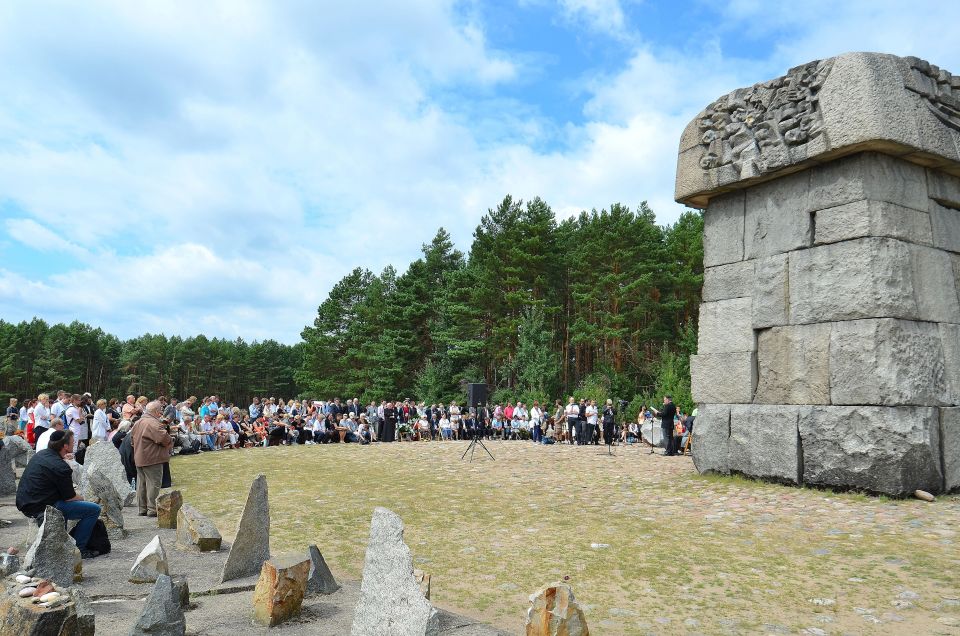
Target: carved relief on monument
[(754, 130), (940, 89)]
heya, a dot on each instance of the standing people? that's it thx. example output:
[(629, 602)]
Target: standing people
[(101, 425), (667, 414), (13, 416), (151, 449), (591, 432), (390, 414), (41, 415), (77, 421), (609, 422)]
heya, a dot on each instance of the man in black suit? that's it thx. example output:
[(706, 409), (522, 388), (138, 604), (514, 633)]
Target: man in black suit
[(667, 414)]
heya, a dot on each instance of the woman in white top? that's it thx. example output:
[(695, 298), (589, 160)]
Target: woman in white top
[(536, 421), (445, 429), (41, 415), (101, 427), (455, 420)]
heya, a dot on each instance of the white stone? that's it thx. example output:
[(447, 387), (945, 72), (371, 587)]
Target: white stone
[(887, 362), (734, 280), (27, 591), (764, 442), (723, 378), (726, 327), (723, 230), (890, 450), (794, 365), (150, 563)]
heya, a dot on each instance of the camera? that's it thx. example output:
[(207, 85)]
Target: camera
[(623, 403)]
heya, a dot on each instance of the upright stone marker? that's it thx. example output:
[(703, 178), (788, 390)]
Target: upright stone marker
[(14, 450), (168, 506), (280, 589), (196, 531), (150, 563), (54, 554), (555, 612), (162, 614), (251, 547), (97, 487), (829, 343), (321, 580), (105, 458), (391, 603)]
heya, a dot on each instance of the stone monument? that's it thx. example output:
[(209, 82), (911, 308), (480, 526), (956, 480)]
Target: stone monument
[(829, 346)]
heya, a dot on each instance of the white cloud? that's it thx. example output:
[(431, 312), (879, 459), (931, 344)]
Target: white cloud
[(606, 16)]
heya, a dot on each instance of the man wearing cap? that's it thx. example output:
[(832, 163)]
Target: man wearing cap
[(44, 440), (48, 481), (151, 450)]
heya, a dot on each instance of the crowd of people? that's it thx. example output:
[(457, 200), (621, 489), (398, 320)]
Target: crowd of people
[(148, 432)]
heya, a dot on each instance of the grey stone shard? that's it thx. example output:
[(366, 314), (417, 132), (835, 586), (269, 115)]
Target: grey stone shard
[(764, 441), (95, 486), (728, 378), (14, 450), (950, 437), (86, 621), (321, 580), (734, 280), (150, 563), (391, 603), (251, 547), (9, 564), (878, 362), (726, 327), (105, 458), (891, 450), (711, 439), (53, 555), (794, 365), (181, 589), (162, 614)]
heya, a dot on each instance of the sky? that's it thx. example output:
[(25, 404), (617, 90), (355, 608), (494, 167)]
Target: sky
[(216, 167)]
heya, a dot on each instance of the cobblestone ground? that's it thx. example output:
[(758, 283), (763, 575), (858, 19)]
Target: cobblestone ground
[(648, 545)]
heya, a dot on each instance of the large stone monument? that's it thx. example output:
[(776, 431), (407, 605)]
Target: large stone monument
[(829, 348)]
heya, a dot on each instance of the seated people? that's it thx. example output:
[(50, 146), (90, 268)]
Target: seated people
[(549, 435), (364, 434), (48, 481), (446, 428)]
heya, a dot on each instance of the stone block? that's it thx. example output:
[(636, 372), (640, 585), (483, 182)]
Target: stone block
[(887, 362), (150, 563), (946, 226), (933, 278), (869, 175), (723, 378), (168, 506), (251, 547), (734, 280), (771, 292), (889, 450), (943, 188), (95, 486), (20, 617), (723, 230), (321, 579), (777, 217), (950, 438), (280, 589), (196, 531), (950, 342), (86, 620), (863, 278), (871, 218), (764, 442), (726, 327), (793, 365), (53, 554), (389, 595), (162, 614), (711, 439), (555, 612), (105, 458)]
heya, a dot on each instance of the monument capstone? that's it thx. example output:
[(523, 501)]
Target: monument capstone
[(829, 342)]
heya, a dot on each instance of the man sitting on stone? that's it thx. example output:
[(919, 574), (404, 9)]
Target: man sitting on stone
[(48, 481)]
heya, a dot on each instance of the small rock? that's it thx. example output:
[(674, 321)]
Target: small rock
[(855, 579), (196, 531), (321, 579), (923, 495), (949, 621), (23, 578), (555, 612), (27, 591), (599, 546), (816, 631), (49, 596), (824, 602), (12, 550), (150, 563), (908, 595)]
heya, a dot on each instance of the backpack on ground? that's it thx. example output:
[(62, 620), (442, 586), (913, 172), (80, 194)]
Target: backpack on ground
[(99, 540)]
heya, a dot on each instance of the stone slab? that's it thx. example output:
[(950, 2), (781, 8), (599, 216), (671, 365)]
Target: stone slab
[(734, 280), (150, 563), (53, 554), (943, 188), (950, 438), (711, 439), (162, 614), (887, 362), (889, 450), (764, 442), (723, 230), (195, 531), (950, 342), (723, 378), (105, 458), (391, 603), (280, 589), (872, 176), (771, 292), (168, 506), (933, 278), (251, 547), (777, 217), (726, 327), (946, 226), (793, 365), (321, 580), (872, 218)]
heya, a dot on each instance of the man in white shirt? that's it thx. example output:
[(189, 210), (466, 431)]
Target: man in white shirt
[(591, 432), (572, 414), (60, 405), (536, 421), (44, 439)]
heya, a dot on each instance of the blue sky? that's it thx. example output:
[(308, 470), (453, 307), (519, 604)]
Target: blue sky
[(216, 167)]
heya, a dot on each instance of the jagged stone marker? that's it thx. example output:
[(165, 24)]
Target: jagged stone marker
[(95, 486), (391, 603), (162, 614), (251, 547), (151, 563), (104, 457), (555, 612), (13, 449), (321, 580), (54, 554)]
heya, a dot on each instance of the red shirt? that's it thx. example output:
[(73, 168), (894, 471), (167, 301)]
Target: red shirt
[(508, 412)]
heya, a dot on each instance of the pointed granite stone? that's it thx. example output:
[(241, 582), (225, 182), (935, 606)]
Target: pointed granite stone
[(251, 547)]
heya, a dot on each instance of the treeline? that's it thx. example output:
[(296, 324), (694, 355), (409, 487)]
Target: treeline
[(36, 357), (604, 304)]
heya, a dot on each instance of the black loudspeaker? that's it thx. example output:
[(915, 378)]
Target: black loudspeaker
[(476, 394)]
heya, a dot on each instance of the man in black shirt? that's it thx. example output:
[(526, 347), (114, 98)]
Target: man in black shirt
[(667, 414), (48, 481)]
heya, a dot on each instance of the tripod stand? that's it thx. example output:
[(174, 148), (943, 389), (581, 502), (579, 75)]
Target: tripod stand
[(473, 447)]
